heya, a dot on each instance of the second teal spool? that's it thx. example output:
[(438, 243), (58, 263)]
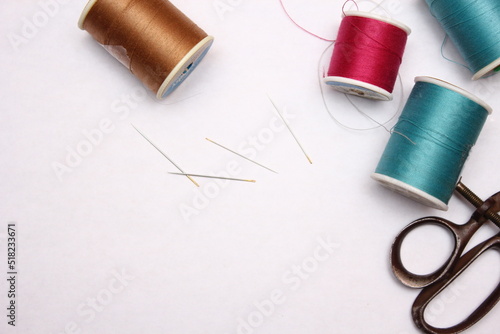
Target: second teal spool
[(474, 28)]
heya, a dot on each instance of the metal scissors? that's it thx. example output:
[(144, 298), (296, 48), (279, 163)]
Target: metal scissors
[(434, 283)]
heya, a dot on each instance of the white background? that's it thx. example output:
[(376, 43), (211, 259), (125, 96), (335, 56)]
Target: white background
[(227, 266)]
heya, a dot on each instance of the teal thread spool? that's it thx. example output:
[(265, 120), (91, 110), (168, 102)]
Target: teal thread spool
[(431, 141), (474, 28)]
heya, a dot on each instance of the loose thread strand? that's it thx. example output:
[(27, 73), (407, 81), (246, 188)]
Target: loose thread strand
[(300, 27), (379, 124)]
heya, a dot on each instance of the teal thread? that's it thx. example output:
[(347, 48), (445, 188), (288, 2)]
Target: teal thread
[(432, 140), (474, 28)]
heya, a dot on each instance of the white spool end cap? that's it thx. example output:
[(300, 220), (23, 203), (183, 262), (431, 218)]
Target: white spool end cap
[(409, 191), (182, 70), (85, 12), (357, 88), (381, 18), (488, 70)]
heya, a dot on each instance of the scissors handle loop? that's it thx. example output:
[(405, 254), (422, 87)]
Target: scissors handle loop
[(430, 292), (461, 235)]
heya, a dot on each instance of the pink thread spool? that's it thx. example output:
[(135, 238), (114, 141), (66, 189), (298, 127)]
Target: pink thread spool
[(367, 55)]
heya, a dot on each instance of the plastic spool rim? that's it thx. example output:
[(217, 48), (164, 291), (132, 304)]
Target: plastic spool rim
[(179, 69), (361, 88), (456, 89), (409, 191), (85, 13), (487, 70), (377, 17)]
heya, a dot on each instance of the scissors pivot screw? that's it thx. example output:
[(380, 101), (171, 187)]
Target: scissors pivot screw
[(475, 200)]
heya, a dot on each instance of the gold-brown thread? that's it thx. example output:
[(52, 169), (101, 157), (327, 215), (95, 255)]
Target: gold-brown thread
[(149, 37)]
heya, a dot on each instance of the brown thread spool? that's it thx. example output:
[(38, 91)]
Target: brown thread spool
[(158, 43)]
